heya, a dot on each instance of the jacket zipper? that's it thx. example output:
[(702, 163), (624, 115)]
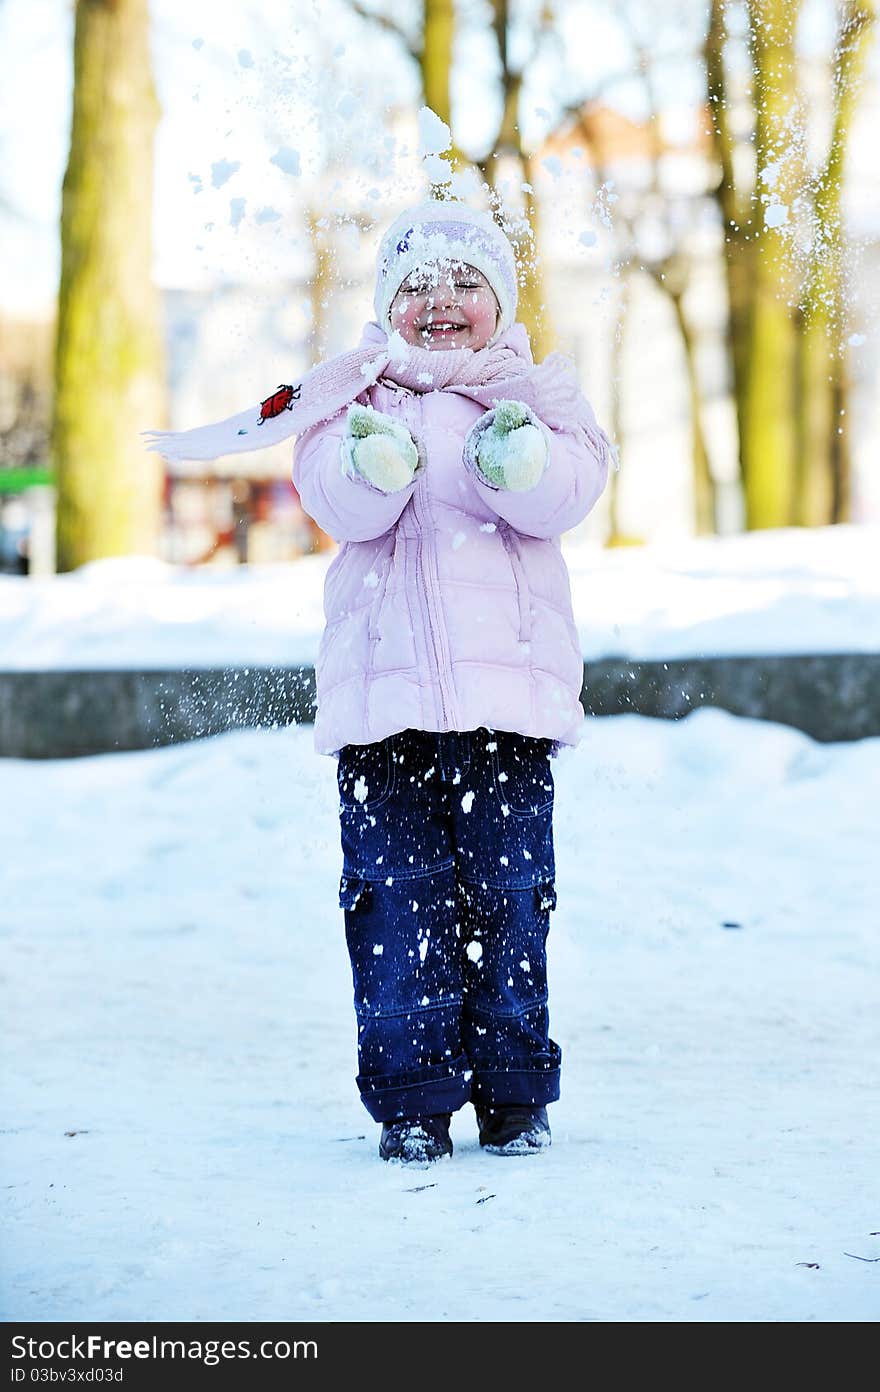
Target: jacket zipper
[(429, 588)]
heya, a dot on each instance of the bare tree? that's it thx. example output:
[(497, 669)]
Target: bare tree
[(789, 372)]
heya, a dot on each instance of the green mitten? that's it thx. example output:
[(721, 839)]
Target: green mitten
[(512, 453), (378, 448)]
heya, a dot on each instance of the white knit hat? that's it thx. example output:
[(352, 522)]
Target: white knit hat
[(436, 231)]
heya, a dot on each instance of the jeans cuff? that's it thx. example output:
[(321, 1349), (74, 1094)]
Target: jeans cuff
[(423, 1092), (531, 1084)]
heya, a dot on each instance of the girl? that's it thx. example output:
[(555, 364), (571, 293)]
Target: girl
[(449, 673)]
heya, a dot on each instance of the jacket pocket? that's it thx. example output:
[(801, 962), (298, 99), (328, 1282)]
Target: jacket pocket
[(365, 774), (523, 593), (354, 893), (521, 773), (545, 896)]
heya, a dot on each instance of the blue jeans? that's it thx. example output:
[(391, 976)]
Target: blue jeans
[(447, 887)]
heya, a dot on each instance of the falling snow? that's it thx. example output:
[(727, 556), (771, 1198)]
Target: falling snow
[(775, 215), (222, 171), (434, 134), (287, 160)]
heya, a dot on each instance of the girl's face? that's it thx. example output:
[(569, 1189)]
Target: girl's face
[(445, 305)]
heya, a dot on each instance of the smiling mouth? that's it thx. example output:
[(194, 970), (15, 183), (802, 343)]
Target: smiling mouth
[(442, 326)]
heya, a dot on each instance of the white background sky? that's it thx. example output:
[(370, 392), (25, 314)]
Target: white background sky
[(238, 82)]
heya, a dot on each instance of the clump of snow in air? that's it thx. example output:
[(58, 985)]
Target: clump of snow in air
[(361, 789), (487, 527), (525, 964), (467, 802), (378, 949), (267, 214), (587, 238), (236, 211), (474, 951), (775, 215), (222, 171), (423, 948), (464, 184), (287, 160), (437, 169), (245, 58), (415, 906), (458, 540), (770, 173), (371, 579), (434, 134), (856, 340), (553, 165)]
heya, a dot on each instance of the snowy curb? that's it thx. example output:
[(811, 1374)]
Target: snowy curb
[(57, 714)]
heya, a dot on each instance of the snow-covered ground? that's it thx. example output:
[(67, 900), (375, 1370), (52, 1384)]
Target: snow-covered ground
[(791, 591), (183, 1137), (179, 994)]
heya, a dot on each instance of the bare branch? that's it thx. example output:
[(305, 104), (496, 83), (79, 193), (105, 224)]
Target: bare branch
[(383, 21)]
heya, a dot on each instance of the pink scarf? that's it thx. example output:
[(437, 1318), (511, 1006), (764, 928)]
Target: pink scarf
[(504, 371)]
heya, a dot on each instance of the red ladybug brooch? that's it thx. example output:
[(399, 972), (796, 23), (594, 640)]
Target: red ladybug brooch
[(280, 400)]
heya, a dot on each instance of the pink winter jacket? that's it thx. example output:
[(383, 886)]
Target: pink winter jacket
[(448, 605)]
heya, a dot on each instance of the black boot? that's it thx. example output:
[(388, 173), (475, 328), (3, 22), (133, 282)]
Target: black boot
[(416, 1140), (513, 1130)]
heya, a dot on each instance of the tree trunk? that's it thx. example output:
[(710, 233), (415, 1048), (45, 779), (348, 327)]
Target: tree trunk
[(615, 536), (768, 441), (531, 307), (705, 522), (435, 59), (824, 442), (732, 206), (108, 360)]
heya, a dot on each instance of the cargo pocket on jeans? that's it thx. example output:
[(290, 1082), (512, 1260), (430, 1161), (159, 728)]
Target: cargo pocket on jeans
[(545, 896), (354, 893)]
